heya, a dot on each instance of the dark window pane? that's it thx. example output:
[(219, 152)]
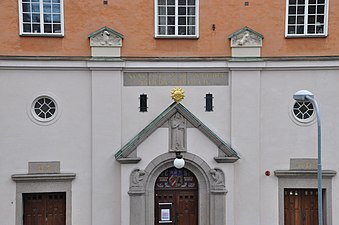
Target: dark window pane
[(47, 18), (182, 10), (56, 1), (49, 1), (320, 19), (170, 2), (162, 30), (292, 10), (300, 29), (209, 102), (301, 2), (191, 2), (182, 20), (25, 0), (162, 2), (56, 8), (47, 8), (292, 1), (311, 1), (170, 30), (291, 20), (143, 103), (182, 2), (162, 20), (26, 17), (36, 18), (191, 11), (320, 29), (191, 20), (56, 28), (171, 20), (34, 0), (300, 20), (26, 7), (311, 10), (311, 29), (182, 30), (48, 28), (56, 18), (311, 19), (162, 10), (291, 29), (170, 11), (301, 9), (321, 1), (191, 30), (35, 7), (27, 27), (320, 9), (36, 28)]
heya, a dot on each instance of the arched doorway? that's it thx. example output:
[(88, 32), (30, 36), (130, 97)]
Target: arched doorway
[(176, 197)]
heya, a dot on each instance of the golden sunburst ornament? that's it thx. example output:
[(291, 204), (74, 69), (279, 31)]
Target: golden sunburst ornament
[(177, 94)]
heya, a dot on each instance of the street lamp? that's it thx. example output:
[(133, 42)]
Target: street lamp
[(303, 96), (179, 162)]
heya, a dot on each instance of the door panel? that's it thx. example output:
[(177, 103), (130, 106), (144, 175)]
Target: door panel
[(301, 207), (44, 209)]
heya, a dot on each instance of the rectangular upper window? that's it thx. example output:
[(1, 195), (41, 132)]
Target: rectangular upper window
[(176, 18), (306, 18), (41, 17)]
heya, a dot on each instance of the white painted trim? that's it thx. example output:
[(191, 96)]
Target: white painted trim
[(22, 33), (156, 35), (306, 35)]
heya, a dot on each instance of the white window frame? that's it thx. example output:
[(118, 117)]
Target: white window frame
[(305, 34), (42, 33), (156, 14)]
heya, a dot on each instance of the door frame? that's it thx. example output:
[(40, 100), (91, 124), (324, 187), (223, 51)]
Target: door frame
[(212, 196)]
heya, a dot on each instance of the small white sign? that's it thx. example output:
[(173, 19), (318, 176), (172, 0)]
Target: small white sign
[(165, 214)]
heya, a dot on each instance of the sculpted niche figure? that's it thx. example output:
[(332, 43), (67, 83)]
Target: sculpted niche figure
[(218, 177), (136, 178), (178, 132)]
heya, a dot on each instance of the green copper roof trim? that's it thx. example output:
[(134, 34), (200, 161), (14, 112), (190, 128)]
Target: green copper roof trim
[(128, 148), (105, 28), (243, 30)]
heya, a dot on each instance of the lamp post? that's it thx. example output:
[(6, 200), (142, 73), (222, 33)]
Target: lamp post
[(302, 96)]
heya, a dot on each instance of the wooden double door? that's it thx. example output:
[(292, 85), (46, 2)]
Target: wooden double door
[(301, 207), (44, 208), (176, 198)]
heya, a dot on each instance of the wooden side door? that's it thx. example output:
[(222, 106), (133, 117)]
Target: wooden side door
[(187, 208), (301, 207), (44, 209)]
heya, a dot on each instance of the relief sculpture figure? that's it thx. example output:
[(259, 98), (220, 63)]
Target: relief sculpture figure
[(178, 126), (218, 177), (136, 178)]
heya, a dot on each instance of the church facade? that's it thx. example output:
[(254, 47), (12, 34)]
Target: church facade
[(176, 116)]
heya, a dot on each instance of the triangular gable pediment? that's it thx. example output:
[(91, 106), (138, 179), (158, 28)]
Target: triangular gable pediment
[(126, 153)]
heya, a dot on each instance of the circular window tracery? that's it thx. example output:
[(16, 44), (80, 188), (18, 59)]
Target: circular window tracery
[(303, 112), (44, 108)]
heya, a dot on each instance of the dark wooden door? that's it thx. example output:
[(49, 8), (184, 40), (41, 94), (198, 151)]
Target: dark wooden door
[(176, 198), (44, 208), (301, 206)]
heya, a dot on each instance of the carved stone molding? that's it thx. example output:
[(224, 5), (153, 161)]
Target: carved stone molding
[(105, 37), (246, 37)]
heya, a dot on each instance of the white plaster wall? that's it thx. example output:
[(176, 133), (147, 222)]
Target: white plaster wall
[(245, 140), (106, 139), (159, 98), (68, 140), (282, 139)]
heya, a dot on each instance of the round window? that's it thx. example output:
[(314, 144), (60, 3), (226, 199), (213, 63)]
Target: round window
[(44, 108), (303, 111)]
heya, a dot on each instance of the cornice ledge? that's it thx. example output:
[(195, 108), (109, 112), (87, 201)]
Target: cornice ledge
[(129, 160), (226, 159), (43, 177), (307, 173)]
